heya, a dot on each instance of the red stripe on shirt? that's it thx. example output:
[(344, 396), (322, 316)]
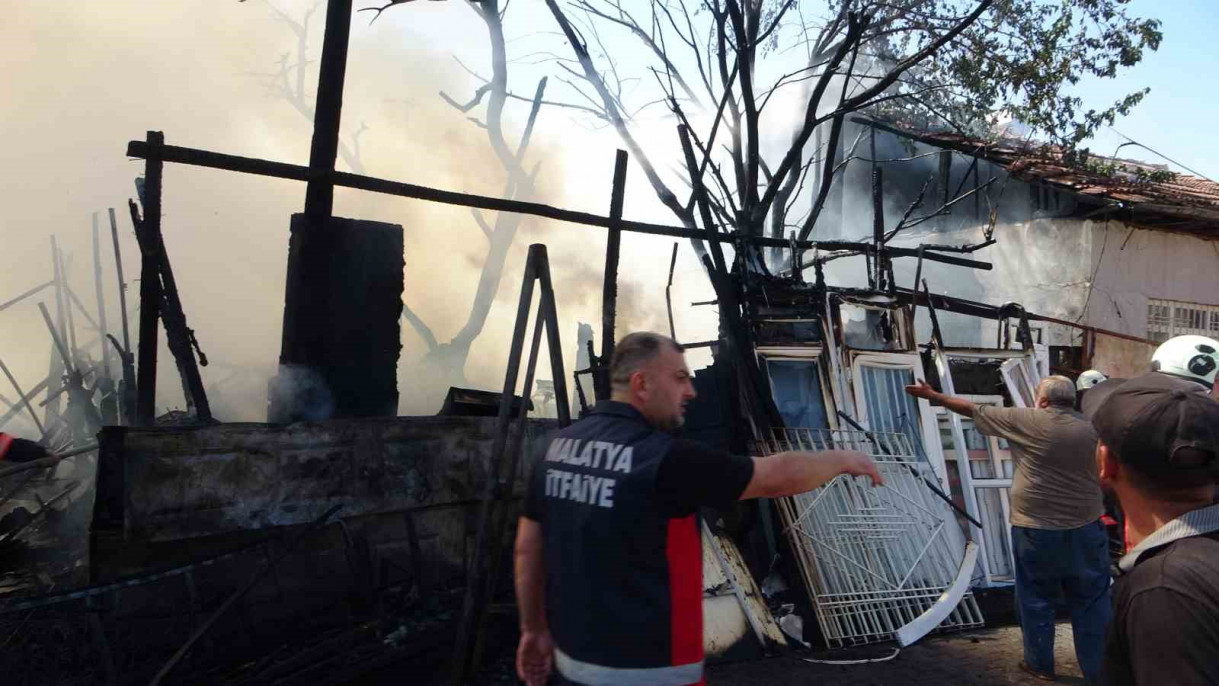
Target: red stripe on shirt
[(685, 555), (6, 441)]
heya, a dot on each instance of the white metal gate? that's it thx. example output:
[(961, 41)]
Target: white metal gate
[(875, 558)]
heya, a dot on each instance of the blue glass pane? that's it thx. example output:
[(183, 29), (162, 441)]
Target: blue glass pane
[(796, 387), (889, 407)]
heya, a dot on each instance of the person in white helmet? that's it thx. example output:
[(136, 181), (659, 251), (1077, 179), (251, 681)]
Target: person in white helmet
[(1186, 362), (1085, 382), (1191, 357), (1089, 379)]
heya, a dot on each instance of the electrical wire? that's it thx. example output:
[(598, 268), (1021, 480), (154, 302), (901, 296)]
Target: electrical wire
[(1131, 141)]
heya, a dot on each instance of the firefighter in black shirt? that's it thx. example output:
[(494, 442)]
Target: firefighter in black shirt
[(1159, 453), (608, 551)]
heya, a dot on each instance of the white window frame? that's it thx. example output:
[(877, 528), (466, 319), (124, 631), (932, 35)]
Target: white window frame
[(968, 484), (1013, 387), (930, 429)]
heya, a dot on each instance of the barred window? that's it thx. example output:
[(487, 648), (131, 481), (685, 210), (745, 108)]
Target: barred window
[(1166, 318)]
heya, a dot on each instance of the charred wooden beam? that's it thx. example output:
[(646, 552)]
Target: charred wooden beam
[(150, 283), (319, 196), (609, 293), (973, 308), (179, 337), (878, 223), (282, 170)]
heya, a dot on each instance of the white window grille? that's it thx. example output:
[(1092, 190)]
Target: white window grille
[(1168, 318)]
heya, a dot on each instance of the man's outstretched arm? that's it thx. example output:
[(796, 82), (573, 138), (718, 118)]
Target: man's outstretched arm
[(961, 406), (535, 654), (795, 472)]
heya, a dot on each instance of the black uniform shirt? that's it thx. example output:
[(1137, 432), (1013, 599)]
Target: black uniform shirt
[(1165, 626), (618, 503)]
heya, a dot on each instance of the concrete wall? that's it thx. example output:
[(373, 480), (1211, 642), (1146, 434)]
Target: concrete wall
[(1132, 266)]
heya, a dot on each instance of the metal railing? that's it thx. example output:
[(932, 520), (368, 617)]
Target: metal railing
[(874, 558)]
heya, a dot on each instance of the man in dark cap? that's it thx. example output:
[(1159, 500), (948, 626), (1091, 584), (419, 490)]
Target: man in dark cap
[(1159, 453)]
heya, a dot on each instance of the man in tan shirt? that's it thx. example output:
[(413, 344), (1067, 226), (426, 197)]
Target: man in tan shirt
[(1058, 542)]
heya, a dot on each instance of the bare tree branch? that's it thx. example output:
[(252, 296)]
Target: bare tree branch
[(424, 331), (614, 116), (627, 21), (474, 101), (856, 26)]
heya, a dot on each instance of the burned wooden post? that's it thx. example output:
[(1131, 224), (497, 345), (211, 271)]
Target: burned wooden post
[(609, 291), (150, 283), (343, 300), (876, 279), (178, 336), (319, 195), (341, 336)]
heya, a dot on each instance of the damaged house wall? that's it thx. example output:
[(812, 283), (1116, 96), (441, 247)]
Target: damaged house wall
[(1041, 233)]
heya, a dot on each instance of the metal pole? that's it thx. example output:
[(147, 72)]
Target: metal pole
[(23, 296), (101, 299), (55, 337), (118, 264), (319, 196), (59, 296), (609, 293), (71, 337)]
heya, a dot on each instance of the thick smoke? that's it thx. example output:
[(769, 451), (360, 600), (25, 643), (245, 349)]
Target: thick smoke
[(94, 76)]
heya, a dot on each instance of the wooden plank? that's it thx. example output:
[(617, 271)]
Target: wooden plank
[(609, 291), (319, 195), (282, 170)]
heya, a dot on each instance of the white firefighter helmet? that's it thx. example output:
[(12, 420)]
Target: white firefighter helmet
[(1191, 357), (1089, 379)]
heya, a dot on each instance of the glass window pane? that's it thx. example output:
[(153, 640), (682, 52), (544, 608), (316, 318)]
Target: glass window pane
[(796, 388), (865, 328), (889, 408)]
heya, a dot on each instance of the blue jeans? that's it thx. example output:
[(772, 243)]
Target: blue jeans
[(1070, 565)]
